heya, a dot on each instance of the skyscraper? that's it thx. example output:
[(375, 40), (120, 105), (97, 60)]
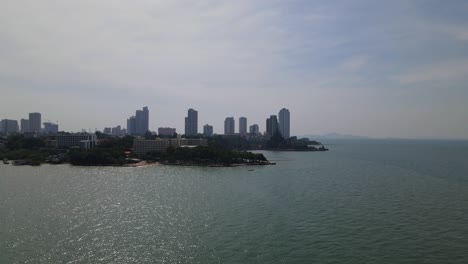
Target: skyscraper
[(191, 123), (35, 122), (207, 130), (284, 123), (25, 126), (138, 124), (131, 126), (272, 125), (229, 126), (243, 125), (142, 121)]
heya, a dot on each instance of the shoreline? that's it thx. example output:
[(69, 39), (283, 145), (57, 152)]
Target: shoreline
[(148, 164)]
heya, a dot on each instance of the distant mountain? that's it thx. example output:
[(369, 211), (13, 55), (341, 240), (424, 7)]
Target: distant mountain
[(335, 136)]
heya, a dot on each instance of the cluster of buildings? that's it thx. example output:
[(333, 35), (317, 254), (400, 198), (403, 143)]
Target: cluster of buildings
[(138, 126), (274, 125), (115, 131), (27, 126)]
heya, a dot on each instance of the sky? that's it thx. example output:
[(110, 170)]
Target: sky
[(375, 68)]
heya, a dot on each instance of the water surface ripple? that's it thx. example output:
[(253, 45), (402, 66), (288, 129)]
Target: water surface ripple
[(362, 202)]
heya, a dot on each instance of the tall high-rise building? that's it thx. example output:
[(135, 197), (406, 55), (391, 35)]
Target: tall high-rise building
[(8, 126), (272, 125), (35, 122), (50, 128), (253, 129), (242, 125), (131, 126), (191, 123), (25, 126), (138, 124), (229, 126), (207, 130), (142, 121), (284, 123)]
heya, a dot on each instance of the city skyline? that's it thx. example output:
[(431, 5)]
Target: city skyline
[(389, 69), (138, 124)]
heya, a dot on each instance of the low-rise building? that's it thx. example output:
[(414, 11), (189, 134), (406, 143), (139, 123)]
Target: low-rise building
[(50, 128), (143, 146), (74, 140), (166, 131)]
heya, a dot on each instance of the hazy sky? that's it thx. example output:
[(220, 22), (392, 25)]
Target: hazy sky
[(377, 68)]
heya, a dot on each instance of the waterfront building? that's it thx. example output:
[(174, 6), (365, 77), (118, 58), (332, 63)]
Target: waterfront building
[(191, 123), (243, 125), (138, 124), (253, 129), (207, 131), (142, 121), (284, 123), (75, 140), (143, 146), (131, 126), (166, 131), (8, 126), (35, 122), (25, 125), (50, 128), (229, 126), (272, 125)]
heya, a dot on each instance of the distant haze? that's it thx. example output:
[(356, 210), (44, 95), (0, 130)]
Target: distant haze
[(375, 68)]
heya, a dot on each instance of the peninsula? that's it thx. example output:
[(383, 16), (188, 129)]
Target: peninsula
[(119, 152)]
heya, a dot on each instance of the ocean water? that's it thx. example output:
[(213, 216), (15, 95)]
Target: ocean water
[(369, 201)]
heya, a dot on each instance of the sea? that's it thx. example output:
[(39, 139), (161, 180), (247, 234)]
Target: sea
[(364, 201)]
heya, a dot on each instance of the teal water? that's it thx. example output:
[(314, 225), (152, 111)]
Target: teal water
[(362, 202)]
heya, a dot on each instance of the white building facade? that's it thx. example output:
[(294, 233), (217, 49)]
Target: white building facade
[(143, 146)]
